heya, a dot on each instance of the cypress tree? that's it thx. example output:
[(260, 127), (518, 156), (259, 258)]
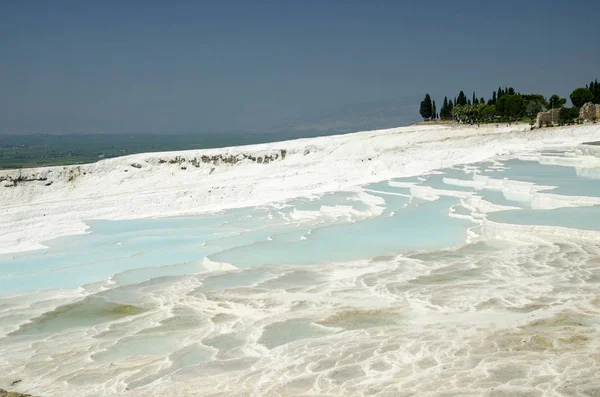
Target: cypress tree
[(500, 93), (474, 101), (493, 98), (444, 111), (434, 111), (426, 108), (511, 91), (462, 99), (482, 101)]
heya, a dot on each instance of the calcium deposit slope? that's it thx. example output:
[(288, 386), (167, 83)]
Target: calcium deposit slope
[(39, 204)]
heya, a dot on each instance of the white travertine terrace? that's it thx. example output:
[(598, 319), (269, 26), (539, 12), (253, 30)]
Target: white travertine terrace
[(43, 203)]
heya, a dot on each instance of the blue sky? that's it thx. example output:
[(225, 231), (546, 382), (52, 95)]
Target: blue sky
[(205, 66)]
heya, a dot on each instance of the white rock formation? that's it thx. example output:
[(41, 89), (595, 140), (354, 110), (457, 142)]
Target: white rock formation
[(43, 203)]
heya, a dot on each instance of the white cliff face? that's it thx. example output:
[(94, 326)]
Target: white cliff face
[(43, 203)]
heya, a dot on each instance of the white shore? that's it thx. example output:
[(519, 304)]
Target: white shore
[(39, 204)]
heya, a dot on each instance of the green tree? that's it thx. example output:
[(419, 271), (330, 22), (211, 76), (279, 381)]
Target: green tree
[(434, 111), (500, 105), (459, 113), (534, 103), (556, 102), (581, 96), (444, 111), (426, 108), (465, 113), (568, 115), (596, 91), (510, 106), (514, 106), (461, 99), (594, 88), (485, 112)]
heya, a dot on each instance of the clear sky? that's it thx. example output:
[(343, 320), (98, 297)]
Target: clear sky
[(199, 66)]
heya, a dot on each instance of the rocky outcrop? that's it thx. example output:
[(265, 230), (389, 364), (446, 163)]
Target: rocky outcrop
[(590, 112), (547, 118), (11, 181), (4, 393), (205, 162), (226, 159)]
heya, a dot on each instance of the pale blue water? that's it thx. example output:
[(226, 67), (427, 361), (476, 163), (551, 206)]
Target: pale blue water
[(385, 187), (426, 226), (565, 179), (585, 218), (460, 210), (436, 181), (498, 198), (249, 237)]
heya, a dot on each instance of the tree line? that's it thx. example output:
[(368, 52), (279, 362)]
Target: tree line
[(506, 104)]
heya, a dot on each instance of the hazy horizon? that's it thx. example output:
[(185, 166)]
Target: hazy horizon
[(208, 67)]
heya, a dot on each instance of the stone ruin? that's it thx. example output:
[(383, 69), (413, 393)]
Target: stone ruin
[(546, 118), (590, 112)]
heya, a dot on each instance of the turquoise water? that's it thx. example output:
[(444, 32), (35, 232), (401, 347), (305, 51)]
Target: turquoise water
[(498, 198), (420, 227), (134, 250), (585, 218), (436, 181), (386, 188), (565, 179)]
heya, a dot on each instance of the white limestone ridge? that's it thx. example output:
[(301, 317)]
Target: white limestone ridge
[(38, 204)]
